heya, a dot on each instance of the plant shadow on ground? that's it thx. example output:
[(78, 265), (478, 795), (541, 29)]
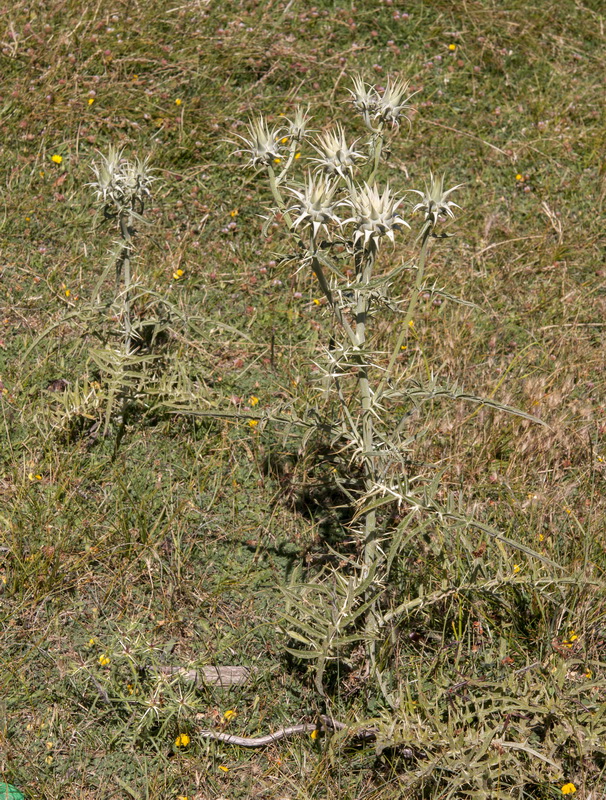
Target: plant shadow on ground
[(174, 550)]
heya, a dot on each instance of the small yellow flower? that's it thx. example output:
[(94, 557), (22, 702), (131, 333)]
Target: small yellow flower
[(284, 140), (234, 213), (541, 537), (41, 173), (516, 568), (316, 302), (178, 101), (277, 160), (230, 714), (223, 769), (130, 688), (569, 788), (568, 511), (519, 177), (452, 47), (33, 477), (315, 734), (67, 292), (297, 155), (92, 641), (572, 637), (411, 324), (91, 100), (178, 273), (182, 797), (49, 759), (49, 745), (57, 159), (182, 740), (104, 660), (589, 674), (254, 401), (253, 423)]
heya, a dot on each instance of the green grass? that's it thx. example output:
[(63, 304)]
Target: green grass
[(174, 549)]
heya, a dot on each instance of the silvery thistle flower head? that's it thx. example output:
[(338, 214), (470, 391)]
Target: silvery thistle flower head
[(435, 202), (315, 204), (108, 174), (392, 104), (135, 180), (375, 214), (261, 143), (365, 97), (121, 182), (337, 158), (297, 127)]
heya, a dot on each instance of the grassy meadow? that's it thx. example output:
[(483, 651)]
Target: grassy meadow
[(164, 534)]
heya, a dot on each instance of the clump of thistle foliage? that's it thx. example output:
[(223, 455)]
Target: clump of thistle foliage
[(340, 217)]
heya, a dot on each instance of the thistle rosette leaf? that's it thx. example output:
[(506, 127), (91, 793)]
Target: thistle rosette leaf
[(375, 215), (262, 144), (435, 201), (315, 204), (336, 156)]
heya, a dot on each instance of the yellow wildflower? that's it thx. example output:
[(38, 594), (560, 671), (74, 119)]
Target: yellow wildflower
[(254, 401), (178, 101), (57, 159), (516, 568), (452, 47), (297, 155), (230, 714), (541, 537), (569, 788), (49, 759), (234, 213), (519, 177), (253, 423), (572, 637), (104, 660), (223, 769), (589, 674), (316, 302), (182, 740), (277, 160), (91, 100), (178, 273), (315, 734)]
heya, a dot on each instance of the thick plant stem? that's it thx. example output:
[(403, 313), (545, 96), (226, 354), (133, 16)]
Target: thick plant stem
[(425, 236), (125, 229), (367, 259)]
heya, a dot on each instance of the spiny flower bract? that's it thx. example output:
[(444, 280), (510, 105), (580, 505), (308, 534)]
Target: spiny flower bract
[(392, 104), (375, 214), (365, 97), (262, 143), (297, 126), (435, 202), (315, 204), (336, 156)]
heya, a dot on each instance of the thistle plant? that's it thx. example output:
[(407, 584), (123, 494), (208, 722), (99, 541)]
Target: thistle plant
[(122, 188), (341, 219)]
